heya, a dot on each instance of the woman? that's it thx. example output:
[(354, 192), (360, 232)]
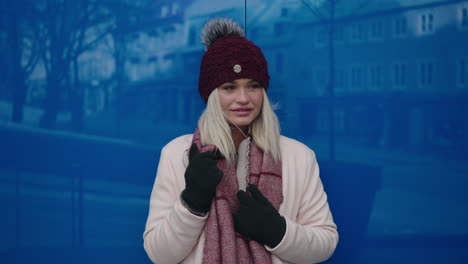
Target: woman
[(236, 191)]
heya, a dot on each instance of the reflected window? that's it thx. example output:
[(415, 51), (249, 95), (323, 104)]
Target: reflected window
[(322, 120), (192, 37), (340, 80), (399, 75), (134, 36), (357, 32), (164, 11), (427, 21), (377, 29), (464, 17), (340, 120), (339, 33), (400, 26), (321, 80), (135, 60), (357, 77), (284, 12), (430, 21), (375, 74), (425, 75), (279, 28), (423, 23), (321, 36), (152, 59), (175, 8), (462, 72)]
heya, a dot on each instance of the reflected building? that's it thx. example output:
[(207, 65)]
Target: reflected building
[(400, 72)]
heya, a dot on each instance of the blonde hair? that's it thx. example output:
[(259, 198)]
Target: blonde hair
[(214, 128)]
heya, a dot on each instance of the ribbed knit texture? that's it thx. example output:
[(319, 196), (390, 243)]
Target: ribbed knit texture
[(217, 65), (223, 244)]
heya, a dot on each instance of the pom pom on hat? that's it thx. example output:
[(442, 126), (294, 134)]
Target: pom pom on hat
[(218, 28), (229, 56)]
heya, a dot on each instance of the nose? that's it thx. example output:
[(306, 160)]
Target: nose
[(243, 96)]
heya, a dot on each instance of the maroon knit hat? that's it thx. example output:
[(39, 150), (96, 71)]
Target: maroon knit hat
[(229, 56)]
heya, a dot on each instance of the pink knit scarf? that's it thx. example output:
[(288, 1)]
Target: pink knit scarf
[(223, 244)]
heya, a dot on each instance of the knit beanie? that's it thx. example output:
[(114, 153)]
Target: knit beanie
[(229, 56)]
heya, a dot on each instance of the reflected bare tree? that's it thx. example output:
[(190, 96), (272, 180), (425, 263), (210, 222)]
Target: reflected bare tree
[(19, 51), (64, 33)]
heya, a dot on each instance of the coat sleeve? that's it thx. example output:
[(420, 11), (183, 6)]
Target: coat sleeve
[(171, 230), (312, 237)]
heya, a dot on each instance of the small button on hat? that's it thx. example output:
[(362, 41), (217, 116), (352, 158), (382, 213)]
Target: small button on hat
[(237, 68)]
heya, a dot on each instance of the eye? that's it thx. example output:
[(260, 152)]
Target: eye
[(228, 87), (255, 85)]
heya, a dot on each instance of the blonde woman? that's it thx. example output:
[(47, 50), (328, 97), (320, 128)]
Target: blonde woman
[(236, 191)]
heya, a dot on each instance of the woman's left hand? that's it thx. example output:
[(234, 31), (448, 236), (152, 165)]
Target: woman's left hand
[(257, 219)]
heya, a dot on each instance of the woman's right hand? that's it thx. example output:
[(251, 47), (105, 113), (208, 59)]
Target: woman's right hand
[(201, 178)]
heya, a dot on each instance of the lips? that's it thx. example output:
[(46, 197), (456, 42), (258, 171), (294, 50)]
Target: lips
[(242, 111)]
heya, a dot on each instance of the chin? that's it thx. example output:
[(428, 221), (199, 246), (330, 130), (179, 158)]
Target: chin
[(242, 123)]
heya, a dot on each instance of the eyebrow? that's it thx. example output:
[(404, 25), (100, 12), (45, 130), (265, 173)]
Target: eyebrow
[(250, 81)]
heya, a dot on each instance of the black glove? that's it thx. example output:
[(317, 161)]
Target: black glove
[(201, 178), (257, 219)]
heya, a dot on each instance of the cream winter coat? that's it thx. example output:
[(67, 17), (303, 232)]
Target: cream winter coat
[(174, 235)]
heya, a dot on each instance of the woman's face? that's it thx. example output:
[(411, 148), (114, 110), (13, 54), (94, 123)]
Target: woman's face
[(241, 101)]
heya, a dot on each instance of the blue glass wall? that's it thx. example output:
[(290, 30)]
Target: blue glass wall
[(91, 90)]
